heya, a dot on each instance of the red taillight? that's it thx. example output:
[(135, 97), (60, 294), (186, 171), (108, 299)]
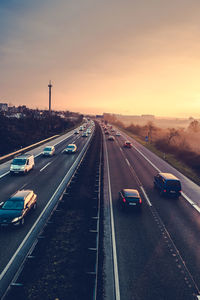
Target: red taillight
[(164, 191), (124, 200), (140, 201)]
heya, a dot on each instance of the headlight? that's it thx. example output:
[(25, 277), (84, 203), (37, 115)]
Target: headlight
[(16, 219)]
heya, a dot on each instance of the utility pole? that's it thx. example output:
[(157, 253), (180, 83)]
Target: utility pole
[(50, 86)]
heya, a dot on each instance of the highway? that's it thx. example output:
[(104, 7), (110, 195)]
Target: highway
[(155, 251), (44, 180), (152, 254)]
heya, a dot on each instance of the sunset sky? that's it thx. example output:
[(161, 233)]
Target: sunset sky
[(118, 56)]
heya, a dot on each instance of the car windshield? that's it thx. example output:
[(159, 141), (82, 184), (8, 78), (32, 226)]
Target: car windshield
[(70, 147), (13, 205), (19, 161), (47, 149)]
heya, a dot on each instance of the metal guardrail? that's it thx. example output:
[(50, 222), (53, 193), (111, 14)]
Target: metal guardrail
[(20, 151), (9, 274)]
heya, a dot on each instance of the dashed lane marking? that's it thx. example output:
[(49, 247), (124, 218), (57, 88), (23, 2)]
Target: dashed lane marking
[(45, 166)]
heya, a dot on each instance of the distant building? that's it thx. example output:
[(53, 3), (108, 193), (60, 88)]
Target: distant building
[(150, 117), (3, 107), (99, 116)]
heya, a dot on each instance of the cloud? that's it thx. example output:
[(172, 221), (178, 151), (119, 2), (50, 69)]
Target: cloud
[(91, 44)]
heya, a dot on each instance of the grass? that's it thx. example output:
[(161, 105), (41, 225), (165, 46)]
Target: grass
[(168, 157)]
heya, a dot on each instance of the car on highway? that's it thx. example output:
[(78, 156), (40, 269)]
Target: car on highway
[(127, 144), (84, 134), (76, 131), (88, 130), (130, 198), (22, 164), (167, 184), (81, 128), (111, 138), (71, 148), (118, 134), (15, 209), (48, 151), (106, 132)]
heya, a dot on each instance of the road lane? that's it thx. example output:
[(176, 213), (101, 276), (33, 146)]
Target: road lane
[(149, 267), (44, 184)]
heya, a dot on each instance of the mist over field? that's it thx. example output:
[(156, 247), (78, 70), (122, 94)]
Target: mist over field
[(180, 137)]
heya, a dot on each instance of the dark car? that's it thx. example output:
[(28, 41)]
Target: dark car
[(130, 198), (167, 184), (106, 132), (127, 144), (111, 138), (14, 210)]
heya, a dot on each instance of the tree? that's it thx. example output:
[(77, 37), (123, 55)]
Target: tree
[(172, 134), (194, 126)]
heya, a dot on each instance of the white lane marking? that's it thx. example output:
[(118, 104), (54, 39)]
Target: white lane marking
[(120, 149), (4, 174), (116, 275), (45, 166), (1, 176), (145, 195), (35, 224), (147, 159), (182, 193), (128, 163), (196, 207)]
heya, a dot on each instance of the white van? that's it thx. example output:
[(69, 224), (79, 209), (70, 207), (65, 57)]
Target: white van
[(22, 164)]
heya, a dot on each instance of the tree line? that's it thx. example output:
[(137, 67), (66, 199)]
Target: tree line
[(17, 133)]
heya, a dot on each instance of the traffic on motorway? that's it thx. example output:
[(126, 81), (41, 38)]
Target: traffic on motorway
[(28, 196), (154, 224)]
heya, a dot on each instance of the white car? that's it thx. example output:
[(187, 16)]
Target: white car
[(85, 134), (48, 151), (118, 133), (22, 164), (71, 148)]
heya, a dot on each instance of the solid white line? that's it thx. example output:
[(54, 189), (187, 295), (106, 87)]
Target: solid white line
[(127, 162), (196, 207), (147, 159), (182, 193), (145, 195), (116, 275), (187, 198), (34, 225), (45, 166), (120, 149), (4, 174)]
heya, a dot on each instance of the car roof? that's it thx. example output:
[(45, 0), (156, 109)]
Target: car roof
[(127, 142), (21, 194), (71, 145), (168, 176), (130, 193), (24, 156)]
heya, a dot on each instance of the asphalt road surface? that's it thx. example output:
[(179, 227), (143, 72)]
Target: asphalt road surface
[(157, 249)]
